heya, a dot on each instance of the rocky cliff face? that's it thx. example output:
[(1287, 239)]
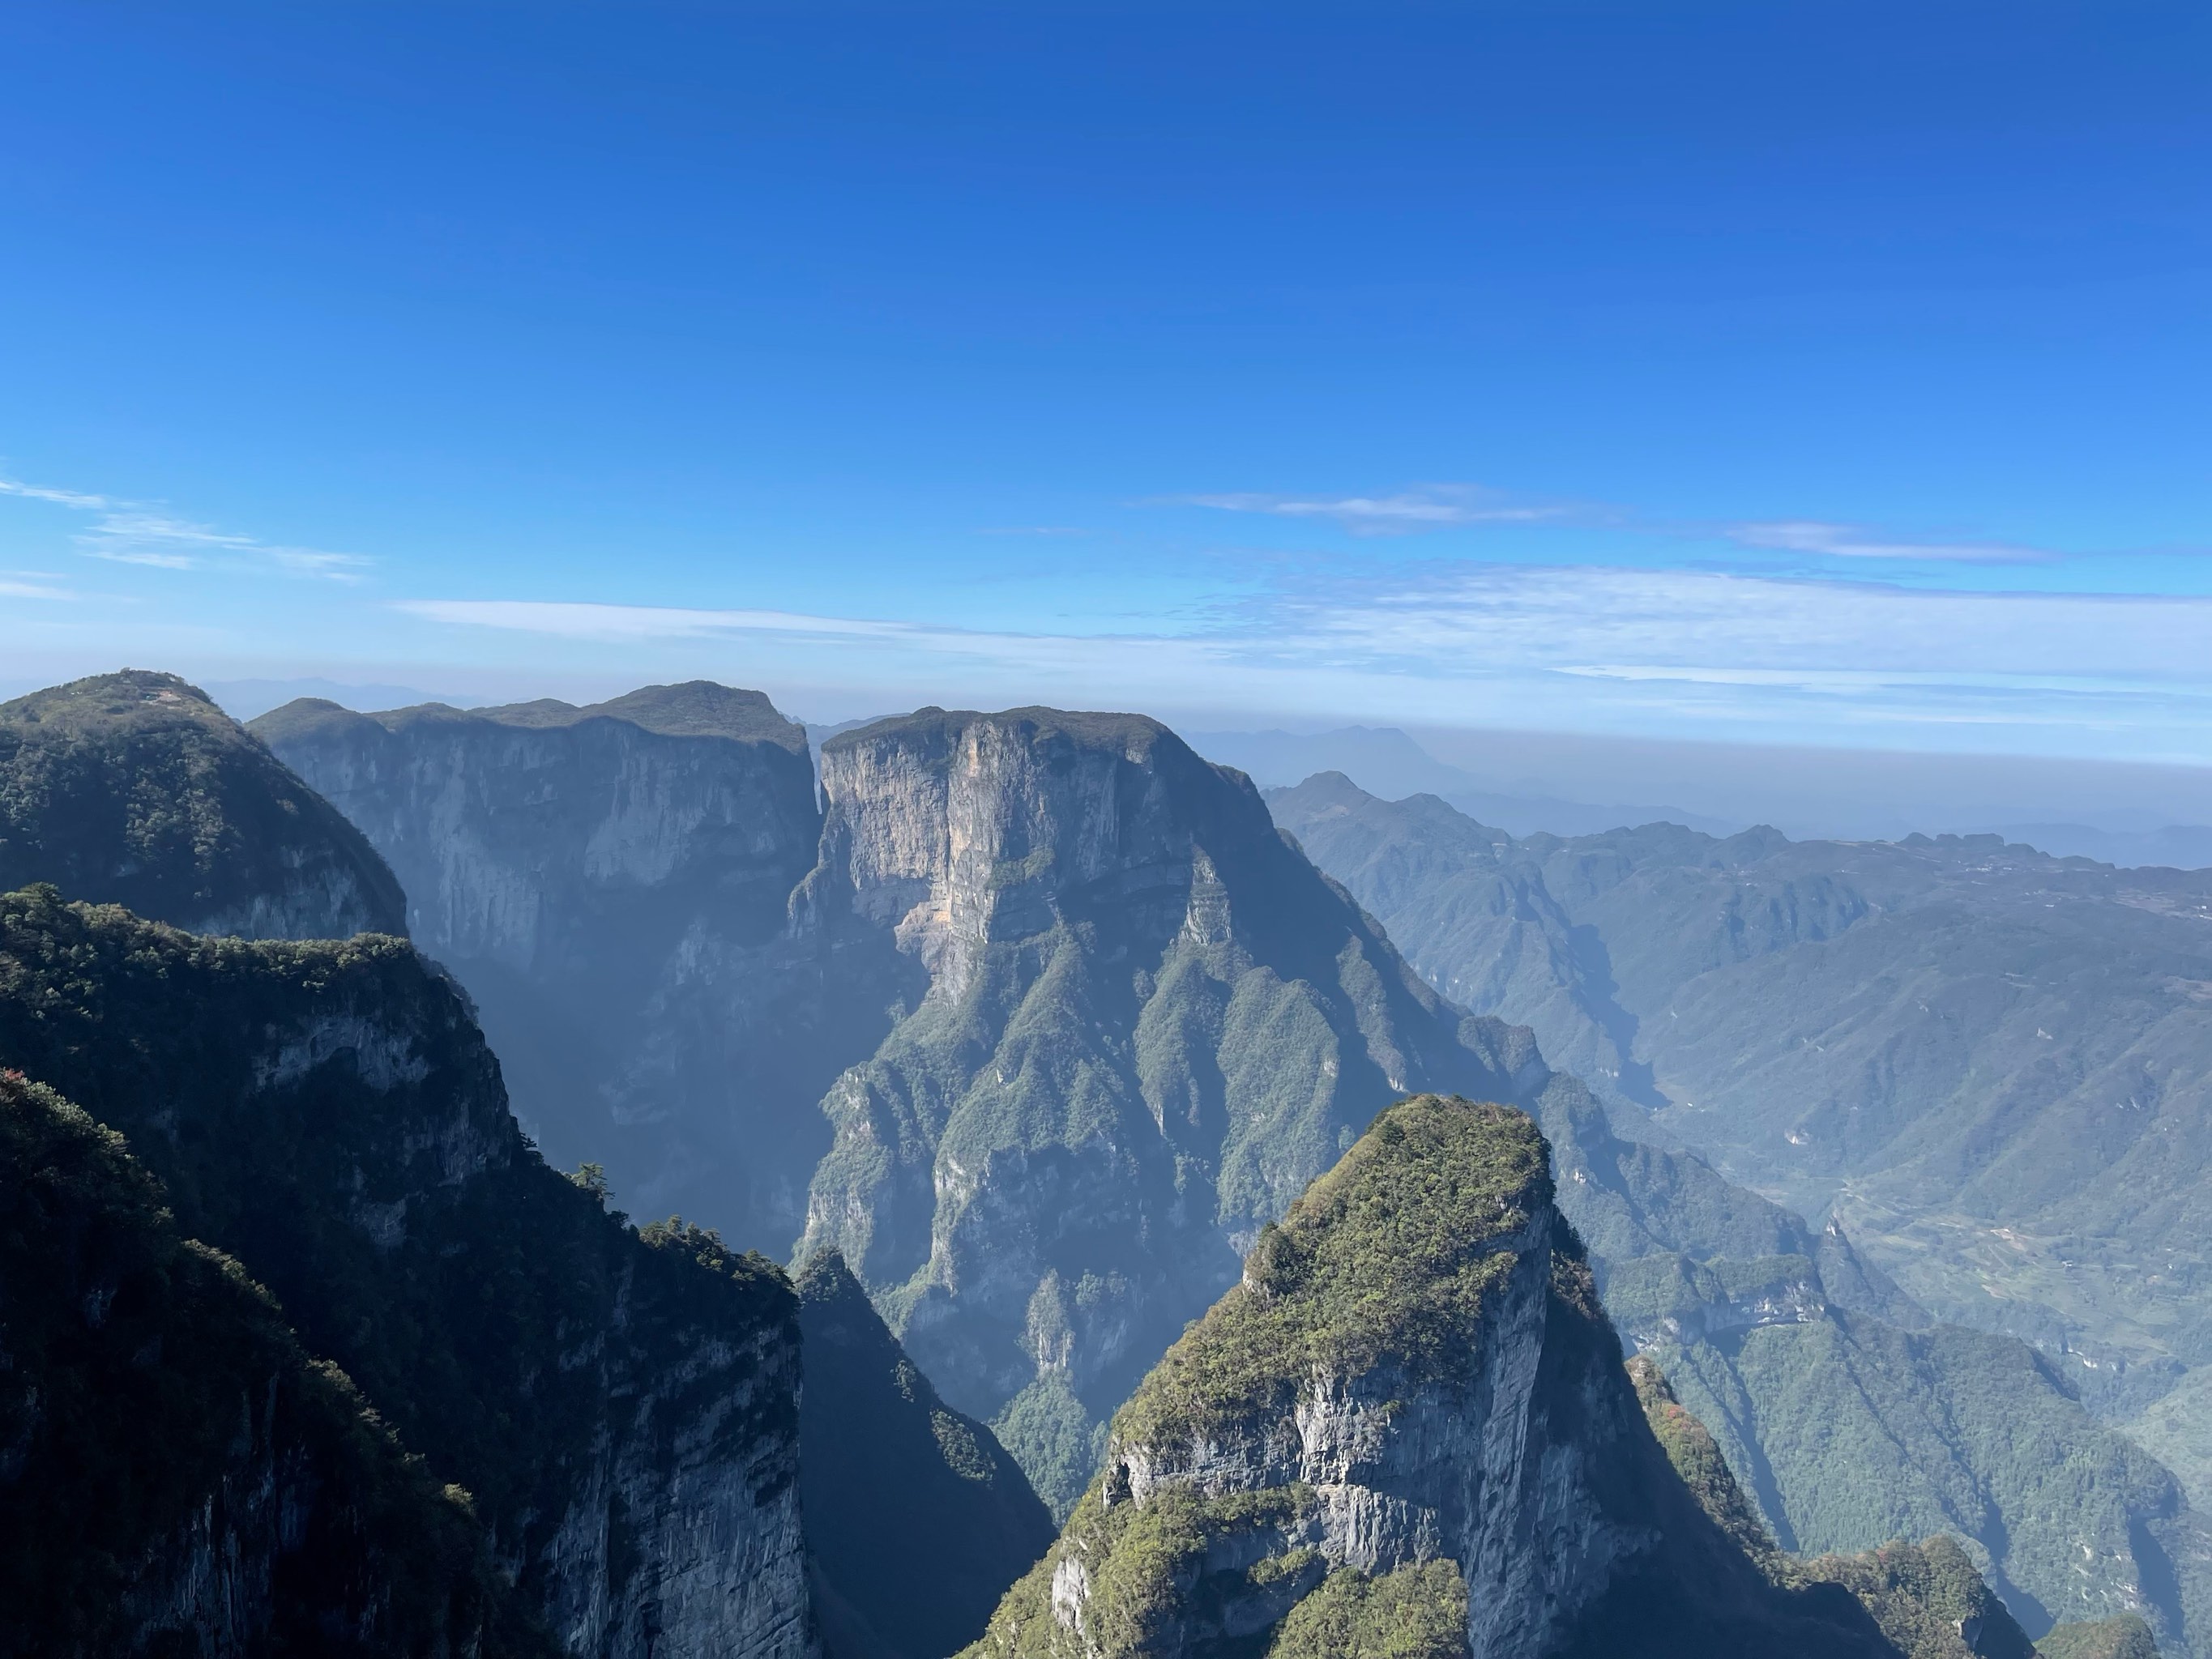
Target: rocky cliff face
[(1410, 1411), (608, 882), (1127, 1023), (134, 789), (622, 1409)]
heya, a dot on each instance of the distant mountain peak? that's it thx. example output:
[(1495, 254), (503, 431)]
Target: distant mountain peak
[(693, 709)]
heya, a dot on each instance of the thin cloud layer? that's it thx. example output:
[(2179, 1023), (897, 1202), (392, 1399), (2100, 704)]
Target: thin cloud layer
[(1842, 541), (1436, 507), (1521, 645), (130, 532), (1445, 507)]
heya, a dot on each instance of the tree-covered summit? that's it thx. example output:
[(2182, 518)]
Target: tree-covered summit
[(1407, 1432), (133, 788)]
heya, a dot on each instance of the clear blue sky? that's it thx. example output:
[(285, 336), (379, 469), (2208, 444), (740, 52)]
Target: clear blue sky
[(1822, 373)]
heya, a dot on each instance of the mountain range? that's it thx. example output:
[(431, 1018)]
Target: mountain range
[(1020, 1035), (1991, 1065)]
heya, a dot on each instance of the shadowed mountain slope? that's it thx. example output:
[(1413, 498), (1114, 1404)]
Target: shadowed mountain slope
[(177, 1470), (1927, 1599), (916, 1518), (610, 883), (134, 789), (624, 1410)]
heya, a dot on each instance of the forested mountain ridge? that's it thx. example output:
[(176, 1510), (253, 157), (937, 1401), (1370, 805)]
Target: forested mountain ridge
[(134, 789), (1128, 1024), (603, 1392), (1994, 1067), (1852, 1417)]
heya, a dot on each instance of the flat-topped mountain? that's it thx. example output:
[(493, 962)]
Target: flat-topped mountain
[(695, 708), (1035, 1019), (1126, 1023), (134, 789), (603, 880)]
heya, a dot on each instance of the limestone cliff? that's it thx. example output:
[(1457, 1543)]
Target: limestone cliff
[(1127, 1023), (608, 882), (622, 1409), (134, 789), (1407, 1429)]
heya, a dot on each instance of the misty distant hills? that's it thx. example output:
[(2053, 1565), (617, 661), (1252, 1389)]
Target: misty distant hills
[(1392, 764), (2176, 846), (1994, 1065), (1528, 783), (242, 700)]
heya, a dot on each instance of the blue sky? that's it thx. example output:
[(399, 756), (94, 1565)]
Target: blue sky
[(1816, 373)]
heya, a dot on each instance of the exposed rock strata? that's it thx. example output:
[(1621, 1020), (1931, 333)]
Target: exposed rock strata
[(1129, 1024)]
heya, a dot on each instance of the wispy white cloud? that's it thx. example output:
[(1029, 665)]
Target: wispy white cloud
[(576, 621), (1433, 506), (1469, 643), (132, 532), (12, 586), (1843, 541), (1444, 507), (59, 497)]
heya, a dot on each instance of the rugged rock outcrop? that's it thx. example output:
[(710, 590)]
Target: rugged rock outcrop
[(916, 1518), (1127, 1023), (175, 1473), (134, 789), (610, 883), (621, 1408), (1411, 1414)]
